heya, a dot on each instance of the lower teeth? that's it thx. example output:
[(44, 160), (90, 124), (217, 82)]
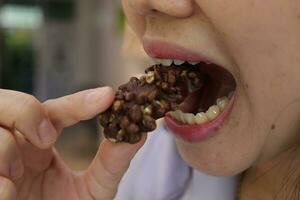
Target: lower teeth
[(200, 118)]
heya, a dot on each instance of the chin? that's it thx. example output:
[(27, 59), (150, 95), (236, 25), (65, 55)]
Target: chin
[(229, 152), (216, 161)]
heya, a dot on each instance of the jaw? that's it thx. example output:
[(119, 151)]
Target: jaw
[(231, 150), (256, 181)]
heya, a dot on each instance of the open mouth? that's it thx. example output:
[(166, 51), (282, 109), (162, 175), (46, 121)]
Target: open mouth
[(205, 109)]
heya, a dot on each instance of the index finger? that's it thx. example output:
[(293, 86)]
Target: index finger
[(69, 110), (26, 114)]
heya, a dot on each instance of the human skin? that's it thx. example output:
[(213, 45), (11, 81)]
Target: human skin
[(258, 42), (31, 168)]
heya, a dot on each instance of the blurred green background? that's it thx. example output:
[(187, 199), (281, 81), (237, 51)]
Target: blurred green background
[(52, 48)]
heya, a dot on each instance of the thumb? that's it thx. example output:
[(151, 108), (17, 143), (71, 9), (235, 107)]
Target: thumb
[(108, 167)]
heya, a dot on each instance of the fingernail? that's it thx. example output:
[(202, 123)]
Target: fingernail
[(47, 132), (16, 169), (96, 94)]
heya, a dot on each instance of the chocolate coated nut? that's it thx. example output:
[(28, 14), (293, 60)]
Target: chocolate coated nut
[(140, 102), (129, 96), (135, 113), (149, 122), (118, 105), (124, 122), (132, 128)]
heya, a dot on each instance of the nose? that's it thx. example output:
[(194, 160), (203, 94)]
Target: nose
[(174, 8)]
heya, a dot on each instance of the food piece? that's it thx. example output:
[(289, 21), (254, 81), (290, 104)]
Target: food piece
[(140, 102)]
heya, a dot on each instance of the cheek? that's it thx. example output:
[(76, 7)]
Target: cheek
[(257, 33), (135, 21), (264, 42)]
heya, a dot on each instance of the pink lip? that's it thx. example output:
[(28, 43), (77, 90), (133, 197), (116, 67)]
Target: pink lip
[(164, 50), (197, 133)]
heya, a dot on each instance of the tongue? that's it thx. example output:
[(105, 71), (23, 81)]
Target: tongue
[(200, 100), (191, 103), (217, 82)]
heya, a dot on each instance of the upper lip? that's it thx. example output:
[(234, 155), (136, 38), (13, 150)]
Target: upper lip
[(164, 50)]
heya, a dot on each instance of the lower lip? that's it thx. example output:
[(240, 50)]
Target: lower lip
[(198, 133)]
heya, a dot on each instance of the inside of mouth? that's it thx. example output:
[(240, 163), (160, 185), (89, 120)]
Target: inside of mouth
[(218, 83)]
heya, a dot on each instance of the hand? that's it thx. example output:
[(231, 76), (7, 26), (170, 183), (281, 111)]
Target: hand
[(30, 167)]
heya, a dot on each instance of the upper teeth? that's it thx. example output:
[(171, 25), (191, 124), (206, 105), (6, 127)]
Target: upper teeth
[(178, 62), (193, 63), (168, 62)]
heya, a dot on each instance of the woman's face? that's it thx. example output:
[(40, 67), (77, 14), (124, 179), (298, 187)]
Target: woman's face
[(258, 42)]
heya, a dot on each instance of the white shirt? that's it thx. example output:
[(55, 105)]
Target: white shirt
[(157, 172)]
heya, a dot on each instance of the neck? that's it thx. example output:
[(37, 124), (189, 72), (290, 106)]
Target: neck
[(278, 179)]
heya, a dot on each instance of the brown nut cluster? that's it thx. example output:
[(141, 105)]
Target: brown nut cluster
[(140, 102)]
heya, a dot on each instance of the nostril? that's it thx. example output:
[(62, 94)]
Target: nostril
[(154, 12), (142, 7), (175, 8)]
